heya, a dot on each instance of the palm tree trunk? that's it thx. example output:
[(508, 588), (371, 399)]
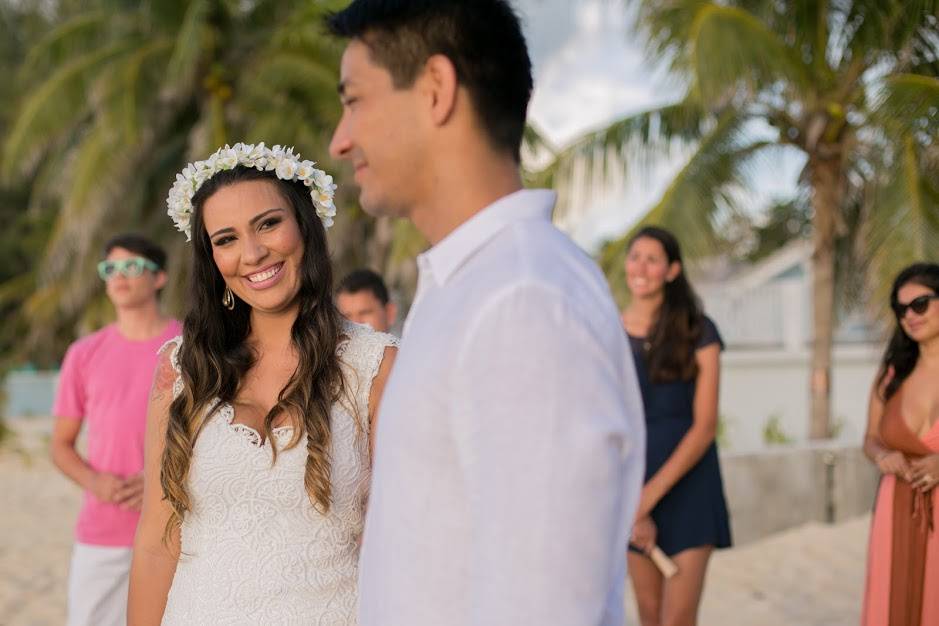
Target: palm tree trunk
[(826, 176)]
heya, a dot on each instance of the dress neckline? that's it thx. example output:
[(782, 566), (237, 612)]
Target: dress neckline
[(894, 405), (251, 435)]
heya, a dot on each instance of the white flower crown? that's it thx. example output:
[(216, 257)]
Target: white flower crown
[(282, 161)]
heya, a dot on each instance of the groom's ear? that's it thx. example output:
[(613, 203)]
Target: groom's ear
[(440, 85)]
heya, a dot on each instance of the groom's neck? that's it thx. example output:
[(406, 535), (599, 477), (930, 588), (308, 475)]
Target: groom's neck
[(462, 185)]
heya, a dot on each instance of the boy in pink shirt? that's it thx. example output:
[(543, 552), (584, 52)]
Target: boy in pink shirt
[(104, 383)]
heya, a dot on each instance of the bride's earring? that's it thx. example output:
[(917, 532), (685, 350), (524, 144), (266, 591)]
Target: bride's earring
[(228, 299)]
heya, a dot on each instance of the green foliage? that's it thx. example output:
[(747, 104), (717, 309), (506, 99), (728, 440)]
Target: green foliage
[(773, 433), (111, 100), (837, 426), (785, 221), (724, 426)]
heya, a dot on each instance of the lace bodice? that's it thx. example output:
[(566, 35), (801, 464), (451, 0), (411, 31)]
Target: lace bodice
[(255, 551)]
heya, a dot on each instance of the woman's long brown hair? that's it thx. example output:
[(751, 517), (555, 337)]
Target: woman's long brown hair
[(215, 357), (673, 339), (902, 352)]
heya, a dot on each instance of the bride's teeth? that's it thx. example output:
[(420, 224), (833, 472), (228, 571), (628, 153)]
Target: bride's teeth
[(256, 278)]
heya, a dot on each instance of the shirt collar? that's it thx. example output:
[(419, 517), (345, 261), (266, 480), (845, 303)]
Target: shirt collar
[(452, 251)]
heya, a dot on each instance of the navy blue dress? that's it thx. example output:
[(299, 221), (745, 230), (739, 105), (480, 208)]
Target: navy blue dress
[(694, 512)]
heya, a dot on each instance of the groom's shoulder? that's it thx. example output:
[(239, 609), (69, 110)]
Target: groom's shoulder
[(536, 256), (537, 252)]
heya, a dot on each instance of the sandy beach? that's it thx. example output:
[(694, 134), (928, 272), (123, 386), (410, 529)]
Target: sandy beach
[(811, 575)]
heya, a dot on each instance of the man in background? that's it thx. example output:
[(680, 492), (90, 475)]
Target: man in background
[(104, 384), (362, 297)]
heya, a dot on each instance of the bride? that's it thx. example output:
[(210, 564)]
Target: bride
[(261, 414)]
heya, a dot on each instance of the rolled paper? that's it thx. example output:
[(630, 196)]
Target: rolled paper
[(665, 564)]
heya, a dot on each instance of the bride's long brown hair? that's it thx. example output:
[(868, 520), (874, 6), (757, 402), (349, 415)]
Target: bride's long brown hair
[(215, 357)]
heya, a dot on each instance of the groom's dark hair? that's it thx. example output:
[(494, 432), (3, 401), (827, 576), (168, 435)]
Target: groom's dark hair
[(482, 38)]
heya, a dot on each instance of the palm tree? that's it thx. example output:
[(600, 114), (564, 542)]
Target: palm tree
[(117, 97), (850, 84)]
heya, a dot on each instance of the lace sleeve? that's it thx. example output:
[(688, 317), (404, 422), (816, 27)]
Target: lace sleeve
[(173, 346), (362, 353)]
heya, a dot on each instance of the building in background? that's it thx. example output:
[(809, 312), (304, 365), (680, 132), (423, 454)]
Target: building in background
[(764, 313)]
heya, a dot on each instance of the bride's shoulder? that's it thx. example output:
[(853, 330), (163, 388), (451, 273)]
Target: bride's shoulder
[(361, 342), (170, 351)]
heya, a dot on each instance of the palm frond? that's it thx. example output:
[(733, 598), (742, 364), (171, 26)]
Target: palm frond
[(903, 226), (733, 50), (704, 194), (292, 75), (911, 101), (63, 42), (887, 29), (666, 28), (607, 156), (55, 106), (80, 217), (190, 43), (133, 80)]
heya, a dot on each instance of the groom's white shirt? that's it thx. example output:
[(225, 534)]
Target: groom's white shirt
[(510, 444)]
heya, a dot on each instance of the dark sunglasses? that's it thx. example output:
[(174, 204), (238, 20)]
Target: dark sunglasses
[(131, 267), (919, 305)]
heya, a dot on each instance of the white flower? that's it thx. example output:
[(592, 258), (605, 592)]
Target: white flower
[(227, 158), (282, 161), (322, 179), (323, 198), (305, 171), (286, 169)]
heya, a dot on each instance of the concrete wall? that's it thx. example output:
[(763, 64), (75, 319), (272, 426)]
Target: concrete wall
[(757, 385), (771, 491)]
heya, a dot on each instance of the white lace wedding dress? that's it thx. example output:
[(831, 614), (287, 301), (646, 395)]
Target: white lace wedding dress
[(255, 551)]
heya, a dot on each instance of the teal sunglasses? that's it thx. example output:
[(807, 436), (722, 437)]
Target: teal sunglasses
[(127, 267)]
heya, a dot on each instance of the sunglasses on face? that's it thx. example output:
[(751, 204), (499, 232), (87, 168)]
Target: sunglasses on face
[(127, 267), (919, 305)]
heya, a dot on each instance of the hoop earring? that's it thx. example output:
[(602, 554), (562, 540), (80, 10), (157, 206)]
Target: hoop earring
[(228, 299)]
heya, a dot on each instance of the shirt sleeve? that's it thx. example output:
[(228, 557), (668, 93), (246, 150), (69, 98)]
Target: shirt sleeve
[(70, 392), (549, 457), (709, 334)]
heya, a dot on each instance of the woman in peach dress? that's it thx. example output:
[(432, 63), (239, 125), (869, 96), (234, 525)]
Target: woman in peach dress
[(903, 440)]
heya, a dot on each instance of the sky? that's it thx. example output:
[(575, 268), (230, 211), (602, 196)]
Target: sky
[(590, 69)]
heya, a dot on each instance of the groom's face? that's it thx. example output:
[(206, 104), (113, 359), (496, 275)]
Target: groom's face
[(380, 133)]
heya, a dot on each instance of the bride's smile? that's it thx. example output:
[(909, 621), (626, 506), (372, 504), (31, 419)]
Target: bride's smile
[(256, 243)]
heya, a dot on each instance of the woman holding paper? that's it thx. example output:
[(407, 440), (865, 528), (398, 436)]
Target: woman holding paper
[(682, 509), (903, 441)]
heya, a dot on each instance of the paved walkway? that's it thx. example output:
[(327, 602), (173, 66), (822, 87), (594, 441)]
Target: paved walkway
[(808, 576)]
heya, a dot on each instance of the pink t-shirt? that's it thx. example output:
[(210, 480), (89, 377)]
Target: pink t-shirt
[(105, 380)]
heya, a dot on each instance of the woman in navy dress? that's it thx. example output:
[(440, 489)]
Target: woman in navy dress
[(682, 507)]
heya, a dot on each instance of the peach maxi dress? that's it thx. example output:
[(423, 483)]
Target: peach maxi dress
[(903, 556)]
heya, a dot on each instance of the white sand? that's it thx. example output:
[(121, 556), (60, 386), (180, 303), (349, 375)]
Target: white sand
[(38, 507), (812, 575)]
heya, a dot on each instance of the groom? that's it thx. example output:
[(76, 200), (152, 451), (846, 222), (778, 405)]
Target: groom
[(510, 446)]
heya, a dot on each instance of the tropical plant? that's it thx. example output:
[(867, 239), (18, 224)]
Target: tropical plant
[(773, 433), (849, 84), (117, 97)]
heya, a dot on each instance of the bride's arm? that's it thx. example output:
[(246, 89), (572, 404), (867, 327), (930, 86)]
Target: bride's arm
[(154, 562), (375, 393)]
